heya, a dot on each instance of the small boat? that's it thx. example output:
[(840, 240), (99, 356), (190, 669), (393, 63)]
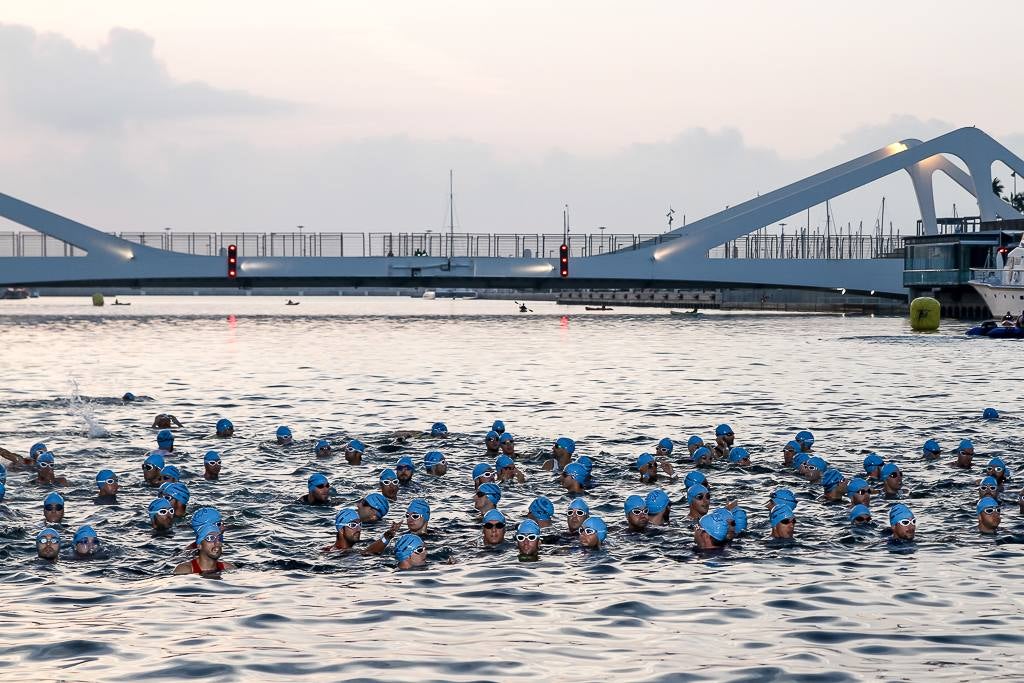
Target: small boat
[(1002, 288), (430, 294), (688, 314), (14, 293), (292, 303), (120, 303), (994, 329), (598, 308)]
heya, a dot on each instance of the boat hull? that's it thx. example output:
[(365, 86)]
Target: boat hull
[(1000, 299)]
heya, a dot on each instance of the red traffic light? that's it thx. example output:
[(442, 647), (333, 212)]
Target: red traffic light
[(563, 260), (232, 260)]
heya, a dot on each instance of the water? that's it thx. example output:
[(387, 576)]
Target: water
[(835, 606)]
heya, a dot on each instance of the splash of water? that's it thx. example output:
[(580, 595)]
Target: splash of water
[(84, 410)]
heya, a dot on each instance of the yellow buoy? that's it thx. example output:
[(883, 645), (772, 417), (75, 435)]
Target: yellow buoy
[(97, 299), (924, 314)]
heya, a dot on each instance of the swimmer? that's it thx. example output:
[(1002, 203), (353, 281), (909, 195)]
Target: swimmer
[(211, 465), (990, 414), (44, 471), (725, 514), (931, 450), (128, 396), (782, 497), (410, 552), (592, 533), (859, 492), (487, 497), (170, 474), (482, 474), (892, 480), (404, 469), (724, 439), (701, 457), (165, 421), (659, 508), (664, 448), (783, 522), (106, 483), (648, 466), (435, 464), (873, 465), (964, 455), (498, 427), (322, 449), (528, 540), (201, 518), (507, 470), (561, 455), (988, 515), (711, 532), (806, 441), (373, 508), (319, 490), (439, 430), (635, 509), (800, 463), (492, 443), (902, 522), (354, 451), (573, 477), (699, 499), (835, 485), (860, 515), (988, 487), (789, 452), (348, 529), (995, 468), (151, 467), (161, 514), (417, 515), (493, 529), (739, 516), (177, 494), (209, 540), (696, 477), (284, 436), (507, 444), (53, 508), (18, 462), (815, 467), (165, 441), (541, 511), (739, 456), (389, 484), (86, 542), (48, 544), (693, 443), (576, 514), (225, 429)]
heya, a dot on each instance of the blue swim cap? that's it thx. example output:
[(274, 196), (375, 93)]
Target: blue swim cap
[(45, 457), (224, 424), (990, 481), (740, 517), (644, 459), (283, 432), (178, 492), (701, 452), (779, 513), (805, 438), (579, 504), (856, 484), (438, 428), (433, 458), (527, 527), (576, 471), (204, 516), (990, 414), (694, 441), (406, 545), (858, 510), (994, 462), (48, 532), (157, 505), (899, 512), (128, 396), (987, 502), (211, 456), (657, 500), (831, 479), (345, 516), (405, 461), (3, 474), (716, 526), (505, 438), (322, 443), (587, 463), (694, 491), (667, 444), (872, 461), (53, 498), (479, 470), (316, 479), (799, 459), (542, 508), (784, 497), (817, 462), (931, 447), (357, 445), (102, 476), (889, 469), (421, 507), (793, 445), (170, 471), (491, 436), (738, 453), (503, 461), (493, 516), (36, 449), (164, 436), (566, 443), (724, 513), (598, 525), (723, 430), (965, 445), (207, 529), (492, 491), (498, 426), (155, 459), (695, 477), (83, 533), (3, 490), (378, 503), (633, 502)]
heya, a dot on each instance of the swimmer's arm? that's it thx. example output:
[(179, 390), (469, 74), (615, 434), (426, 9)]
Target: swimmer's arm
[(10, 456), (381, 544), (154, 422), (183, 568), (175, 420), (520, 477), (667, 468), (230, 565), (548, 465)]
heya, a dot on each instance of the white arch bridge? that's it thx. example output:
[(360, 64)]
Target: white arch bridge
[(679, 258)]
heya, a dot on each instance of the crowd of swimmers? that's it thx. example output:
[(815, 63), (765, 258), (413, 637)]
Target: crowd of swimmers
[(715, 525)]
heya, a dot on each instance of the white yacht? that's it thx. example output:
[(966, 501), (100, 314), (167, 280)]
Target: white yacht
[(1002, 288)]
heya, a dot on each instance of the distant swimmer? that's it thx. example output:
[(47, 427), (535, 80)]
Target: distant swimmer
[(284, 435), (410, 551), (439, 430), (561, 455), (211, 465), (348, 528), (291, 303), (225, 428), (417, 516), (486, 498), (711, 532), (53, 508), (44, 471), (165, 421), (127, 397), (86, 542), (507, 443), (151, 468), (209, 540), (699, 499), (389, 484), (659, 508), (48, 544), (964, 455), (405, 468), (319, 490), (931, 450), (528, 540), (435, 464), (902, 523), (107, 487), (322, 449), (724, 439), (635, 509), (782, 521), (593, 532), (161, 514), (492, 442), (507, 470), (493, 529), (988, 515), (859, 491), (354, 450), (541, 511)]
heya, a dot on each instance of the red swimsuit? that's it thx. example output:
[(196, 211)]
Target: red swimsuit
[(196, 569)]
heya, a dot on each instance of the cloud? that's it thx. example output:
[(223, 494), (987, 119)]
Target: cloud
[(46, 79)]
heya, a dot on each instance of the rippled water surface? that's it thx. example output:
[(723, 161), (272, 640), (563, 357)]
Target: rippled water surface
[(834, 606)]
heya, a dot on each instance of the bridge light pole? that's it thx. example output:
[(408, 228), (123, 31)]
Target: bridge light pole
[(563, 260), (232, 261)]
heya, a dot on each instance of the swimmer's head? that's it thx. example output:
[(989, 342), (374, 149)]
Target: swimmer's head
[(483, 470), (783, 497), (575, 471), (782, 521), (666, 445), (800, 459), (322, 448), (491, 492), (739, 516), (439, 429), (860, 514), (404, 468), (48, 543), (356, 445), (177, 491), (498, 426), (657, 501), (593, 529), (161, 508), (832, 480), (805, 439), (210, 534), (542, 509), (739, 456), (701, 456), (128, 397), (694, 442), (503, 461), (106, 482), (902, 521), (417, 514), (36, 449), (873, 462), (435, 463), (931, 449), (204, 516), (491, 439), (990, 414), (225, 427), (716, 526), (505, 438), (317, 480), (284, 435), (587, 462), (695, 477), (965, 445), (644, 460), (567, 444), (379, 504), (723, 430), (211, 458), (345, 517), (86, 540), (165, 438), (409, 546)]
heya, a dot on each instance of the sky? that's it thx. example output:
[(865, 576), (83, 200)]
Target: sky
[(345, 116)]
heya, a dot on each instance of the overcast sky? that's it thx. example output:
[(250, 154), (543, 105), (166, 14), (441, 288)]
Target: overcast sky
[(346, 116)]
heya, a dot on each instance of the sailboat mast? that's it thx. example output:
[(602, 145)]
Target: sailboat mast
[(451, 213)]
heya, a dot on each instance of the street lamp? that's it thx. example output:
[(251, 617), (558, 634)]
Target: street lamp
[(602, 229), (301, 241)]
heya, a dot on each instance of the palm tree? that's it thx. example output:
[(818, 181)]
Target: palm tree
[(1017, 201), (997, 187)]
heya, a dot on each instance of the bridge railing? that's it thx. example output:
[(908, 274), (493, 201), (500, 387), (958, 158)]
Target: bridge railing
[(444, 244)]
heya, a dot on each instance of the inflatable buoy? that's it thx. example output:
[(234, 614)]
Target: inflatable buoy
[(924, 314), (97, 299)]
